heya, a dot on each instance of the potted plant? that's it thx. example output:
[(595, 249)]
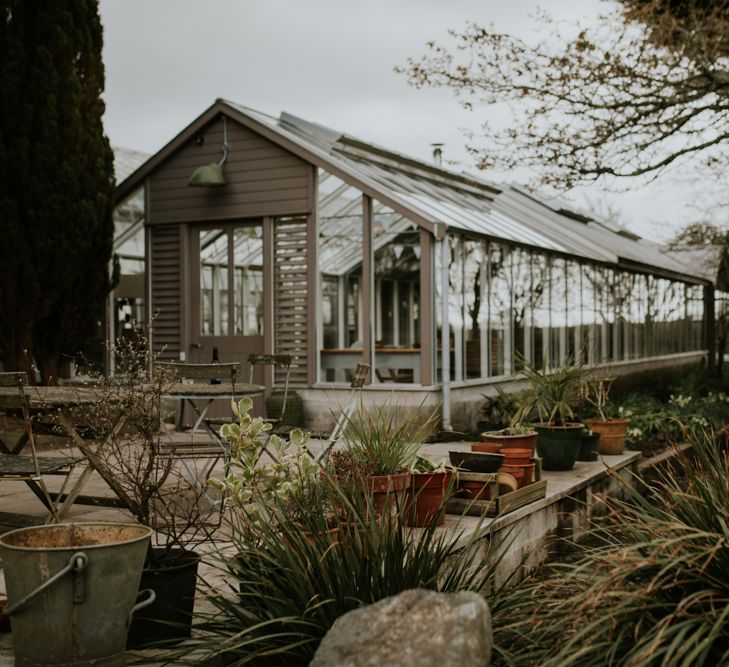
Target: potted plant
[(497, 411), (589, 445), (429, 483), (384, 441), (137, 463), (552, 398), (251, 479), (612, 431), (518, 436)]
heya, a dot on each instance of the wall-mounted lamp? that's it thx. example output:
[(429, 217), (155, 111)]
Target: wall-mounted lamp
[(211, 175)]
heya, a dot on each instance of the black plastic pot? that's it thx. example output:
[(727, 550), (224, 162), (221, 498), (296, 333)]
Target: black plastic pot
[(589, 442), (558, 446), (168, 620)]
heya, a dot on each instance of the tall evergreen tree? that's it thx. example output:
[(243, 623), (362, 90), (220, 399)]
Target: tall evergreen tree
[(56, 181)]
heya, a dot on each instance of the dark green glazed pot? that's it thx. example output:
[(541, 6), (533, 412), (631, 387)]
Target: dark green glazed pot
[(558, 445), (589, 442)]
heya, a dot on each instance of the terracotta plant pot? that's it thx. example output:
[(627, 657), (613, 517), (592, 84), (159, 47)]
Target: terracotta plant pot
[(524, 441), (558, 445), (507, 483), (517, 457), (487, 447), (384, 490), (519, 473), (424, 498), (474, 490), (612, 434)]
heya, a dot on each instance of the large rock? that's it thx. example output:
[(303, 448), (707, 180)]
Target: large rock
[(417, 628)]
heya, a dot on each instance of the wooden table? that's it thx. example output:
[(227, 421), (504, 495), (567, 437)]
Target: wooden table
[(56, 403), (189, 392)]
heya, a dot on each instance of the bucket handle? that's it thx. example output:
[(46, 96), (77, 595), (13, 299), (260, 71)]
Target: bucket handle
[(76, 564), (151, 597)]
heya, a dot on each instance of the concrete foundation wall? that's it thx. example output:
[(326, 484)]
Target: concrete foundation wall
[(323, 403)]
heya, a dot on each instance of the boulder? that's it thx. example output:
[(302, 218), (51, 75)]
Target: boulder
[(417, 628)]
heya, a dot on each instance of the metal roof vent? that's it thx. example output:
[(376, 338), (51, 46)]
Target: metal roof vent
[(437, 154)]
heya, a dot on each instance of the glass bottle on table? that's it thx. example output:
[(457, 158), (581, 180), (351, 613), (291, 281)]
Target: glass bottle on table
[(216, 360)]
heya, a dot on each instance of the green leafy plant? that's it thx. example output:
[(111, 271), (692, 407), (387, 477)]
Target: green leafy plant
[(498, 410), (385, 438), (650, 587), (293, 580), (424, 464), (552, 396), (251, 477), (517, 429)]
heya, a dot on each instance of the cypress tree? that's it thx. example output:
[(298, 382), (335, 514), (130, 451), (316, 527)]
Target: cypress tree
[(56, 181)]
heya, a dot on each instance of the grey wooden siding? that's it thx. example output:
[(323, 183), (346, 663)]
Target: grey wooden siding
[(262, 179), (291, 296), (166, 306)]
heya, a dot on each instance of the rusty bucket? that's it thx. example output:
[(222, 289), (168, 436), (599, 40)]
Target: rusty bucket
[(72, 589)]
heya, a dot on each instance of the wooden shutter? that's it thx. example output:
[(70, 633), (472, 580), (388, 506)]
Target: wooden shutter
[(166, 298), (291, 294)]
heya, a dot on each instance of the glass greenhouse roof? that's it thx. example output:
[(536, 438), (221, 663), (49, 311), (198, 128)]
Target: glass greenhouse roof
[(450, 200)]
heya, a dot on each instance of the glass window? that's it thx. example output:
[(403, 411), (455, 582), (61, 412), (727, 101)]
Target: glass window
[(540, 309), (214, 282), (248, 280), (558, 308), (521, 299), (340, 279), (396, 246), (499, 309), (475, 269)]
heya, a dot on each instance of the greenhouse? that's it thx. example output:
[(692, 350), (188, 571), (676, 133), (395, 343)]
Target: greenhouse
[(336, 251)]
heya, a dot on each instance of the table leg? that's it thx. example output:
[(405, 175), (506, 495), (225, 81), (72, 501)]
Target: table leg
[(94, 464)]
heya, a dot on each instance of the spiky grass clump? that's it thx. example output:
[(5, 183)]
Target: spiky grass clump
[(293, 579), (653, 587)]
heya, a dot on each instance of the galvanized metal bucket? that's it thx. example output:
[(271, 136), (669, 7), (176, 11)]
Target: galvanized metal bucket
[(72, 589)]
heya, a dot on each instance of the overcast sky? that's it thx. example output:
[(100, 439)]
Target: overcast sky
[(329, 61)]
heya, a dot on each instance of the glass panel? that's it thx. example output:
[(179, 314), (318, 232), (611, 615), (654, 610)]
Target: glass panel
[(499, 309), (540, 309), (573, 311), (340, 262), (475, 268), (214, 282), (396, 245), (588, 343), (521, 306), (248, 280), (558, 307), (456, 305)]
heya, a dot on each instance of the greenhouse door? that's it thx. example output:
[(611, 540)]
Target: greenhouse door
[(227, 304)]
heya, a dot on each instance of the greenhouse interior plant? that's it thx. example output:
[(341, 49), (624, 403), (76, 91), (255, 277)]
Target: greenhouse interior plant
[(552, 398), (612, 430)]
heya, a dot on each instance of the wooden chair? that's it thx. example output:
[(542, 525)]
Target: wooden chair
[(31, 469), (280, 364)]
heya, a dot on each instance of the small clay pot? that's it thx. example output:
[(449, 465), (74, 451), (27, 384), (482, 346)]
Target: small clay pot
[(424, 498), (487, 447), (515, 471), (474, 490), (507, 483), (524, 441), (612, 434), (515, 457), (384, 489)]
